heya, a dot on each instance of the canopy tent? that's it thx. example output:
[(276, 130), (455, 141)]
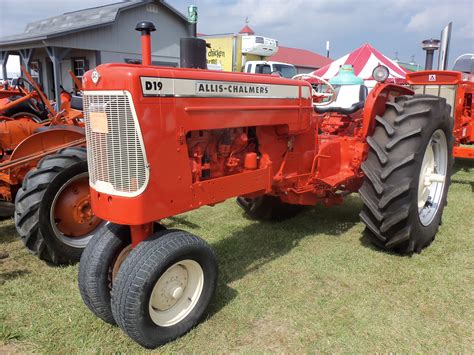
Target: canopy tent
[(364, 59)]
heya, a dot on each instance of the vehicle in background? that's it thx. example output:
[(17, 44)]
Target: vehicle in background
[(285, 70)]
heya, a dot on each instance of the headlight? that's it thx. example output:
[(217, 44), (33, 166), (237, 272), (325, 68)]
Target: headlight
[(380, 73)]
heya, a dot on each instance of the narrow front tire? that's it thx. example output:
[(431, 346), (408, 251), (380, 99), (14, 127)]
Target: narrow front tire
[(163, 287), (99, 264)]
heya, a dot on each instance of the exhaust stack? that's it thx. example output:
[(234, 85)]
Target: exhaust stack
[(146, 28), (444, 47)]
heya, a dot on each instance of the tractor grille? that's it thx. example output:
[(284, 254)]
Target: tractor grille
[(115, 151)]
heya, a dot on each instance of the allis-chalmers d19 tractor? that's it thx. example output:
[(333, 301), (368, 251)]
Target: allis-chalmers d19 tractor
[(43, 169), (162, 141)]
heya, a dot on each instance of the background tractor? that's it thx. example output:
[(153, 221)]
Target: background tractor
[(458, 89), (43, 169), (18, 100), (163, 141)]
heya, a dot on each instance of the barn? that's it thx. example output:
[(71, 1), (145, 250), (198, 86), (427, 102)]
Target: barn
[(81, 40)]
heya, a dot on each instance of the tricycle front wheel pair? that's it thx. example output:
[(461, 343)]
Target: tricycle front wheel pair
[(154, 292)]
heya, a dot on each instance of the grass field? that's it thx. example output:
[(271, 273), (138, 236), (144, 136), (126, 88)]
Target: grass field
[(307, 284)]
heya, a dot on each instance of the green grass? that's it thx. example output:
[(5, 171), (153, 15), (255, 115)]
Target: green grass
[(307, 284)]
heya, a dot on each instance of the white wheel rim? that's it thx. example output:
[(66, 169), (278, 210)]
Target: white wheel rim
[(176, 293), (432, 178)]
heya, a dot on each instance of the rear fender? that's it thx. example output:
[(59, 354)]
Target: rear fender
[(47, 139)]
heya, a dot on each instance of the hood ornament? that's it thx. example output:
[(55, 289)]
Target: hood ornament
[(95, 76)]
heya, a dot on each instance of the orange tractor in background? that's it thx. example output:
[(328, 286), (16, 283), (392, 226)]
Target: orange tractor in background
[(458, 90), (163, 141), (17, 99), (43, 168)]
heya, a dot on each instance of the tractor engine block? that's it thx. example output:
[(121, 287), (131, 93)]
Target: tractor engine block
[(221, 152)]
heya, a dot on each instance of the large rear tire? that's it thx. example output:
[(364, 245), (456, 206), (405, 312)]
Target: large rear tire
[(407, 173), (53, 214)]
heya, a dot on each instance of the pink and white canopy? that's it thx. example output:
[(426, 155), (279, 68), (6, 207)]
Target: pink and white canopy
[(364, 59)]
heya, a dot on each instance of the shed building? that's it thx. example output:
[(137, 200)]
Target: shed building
[(83, 39)]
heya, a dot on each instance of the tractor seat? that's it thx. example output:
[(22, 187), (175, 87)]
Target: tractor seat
[(350, 98)]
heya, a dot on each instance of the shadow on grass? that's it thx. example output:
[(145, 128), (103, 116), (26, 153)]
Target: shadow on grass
[(8, 233), (464, 182), (464, 166), (249, 248), (177, 221), (11, 275)]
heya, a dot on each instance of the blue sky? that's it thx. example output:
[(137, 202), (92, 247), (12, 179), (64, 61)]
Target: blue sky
[(390, 26)]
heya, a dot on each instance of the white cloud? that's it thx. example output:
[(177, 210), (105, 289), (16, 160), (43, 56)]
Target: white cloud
[(437, 16)]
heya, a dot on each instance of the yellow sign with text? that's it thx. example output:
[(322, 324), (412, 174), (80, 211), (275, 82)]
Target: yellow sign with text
[(220, 55), (226, 53)]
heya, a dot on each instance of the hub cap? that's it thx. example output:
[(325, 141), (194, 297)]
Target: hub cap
[(176, 293), (71, 215), (432, 177)]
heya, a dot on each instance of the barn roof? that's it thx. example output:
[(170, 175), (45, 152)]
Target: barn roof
[(300, 57), (76, 21)]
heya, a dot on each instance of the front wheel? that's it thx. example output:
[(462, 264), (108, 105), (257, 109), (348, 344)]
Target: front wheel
[(53, 213), (164, 287), (99, 265), (408, 173)]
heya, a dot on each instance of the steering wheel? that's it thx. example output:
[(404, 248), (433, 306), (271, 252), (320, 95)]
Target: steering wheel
[(37, 106), (332, 94)]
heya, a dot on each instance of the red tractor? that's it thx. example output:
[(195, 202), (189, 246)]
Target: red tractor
[(163, 141)]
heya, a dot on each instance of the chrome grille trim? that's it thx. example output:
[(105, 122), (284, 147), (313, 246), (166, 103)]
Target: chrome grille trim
[(117, 160)]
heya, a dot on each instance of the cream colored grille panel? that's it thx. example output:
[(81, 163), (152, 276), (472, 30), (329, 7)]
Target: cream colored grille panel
[(117, 160)]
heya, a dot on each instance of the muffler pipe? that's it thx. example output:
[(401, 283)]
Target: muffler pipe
[(444, 47)]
